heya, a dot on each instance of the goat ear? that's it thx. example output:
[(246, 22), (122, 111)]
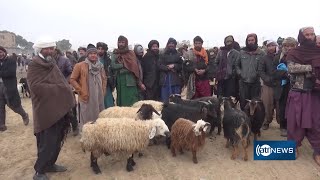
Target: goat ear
[(204, 110), (155, 111), (152, 133), (207, 128)]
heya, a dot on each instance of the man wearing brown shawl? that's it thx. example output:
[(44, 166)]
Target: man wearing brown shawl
[(52, 100), (304, 96), (124, 63)]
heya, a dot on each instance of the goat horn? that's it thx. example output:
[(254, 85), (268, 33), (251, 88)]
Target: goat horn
[(248, 100), (206, 103), (209, 102)]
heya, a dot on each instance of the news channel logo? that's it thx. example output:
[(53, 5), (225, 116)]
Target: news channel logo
[(274, 150)]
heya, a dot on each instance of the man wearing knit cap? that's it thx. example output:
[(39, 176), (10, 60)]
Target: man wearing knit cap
[(52, 102), (151, 71), (247, 70), (104, 58), (9, 94), (198, 85), (266, 71), (282, 87), (226, 73), (170, 65), (125, 64), (89, 81)]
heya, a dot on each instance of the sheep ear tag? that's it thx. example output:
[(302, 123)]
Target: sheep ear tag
[(152, 132)]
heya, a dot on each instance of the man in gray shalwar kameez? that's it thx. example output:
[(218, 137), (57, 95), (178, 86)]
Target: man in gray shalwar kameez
[(89, 80)]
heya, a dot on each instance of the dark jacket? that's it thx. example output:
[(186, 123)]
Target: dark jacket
[(232, 56), (9, 78), (196, 63), (278, 76), (64, 65), (247, 65), (266, 70), (106, 61), (175, 75), (150, 69)]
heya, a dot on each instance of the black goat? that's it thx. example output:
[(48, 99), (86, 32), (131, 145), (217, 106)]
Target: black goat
[(213, 109), (256, 112), (215, 119), (236, 128), (172, 112)]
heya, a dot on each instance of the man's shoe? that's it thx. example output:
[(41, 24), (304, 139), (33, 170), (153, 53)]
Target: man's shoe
[(265, 127), (56, 168), (3, 128), (38, 176), (283, 132), (26, 120)]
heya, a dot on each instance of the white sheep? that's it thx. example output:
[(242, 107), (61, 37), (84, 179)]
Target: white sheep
[(119, 136), (156, 104), (144, 112)]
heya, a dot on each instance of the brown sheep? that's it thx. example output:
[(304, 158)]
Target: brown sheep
[(188, 135)]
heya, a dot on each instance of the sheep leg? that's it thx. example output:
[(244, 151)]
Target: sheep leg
[(181, 150), (129, 164), (235, 151), (94, 164), (245, 152), (132, 161), (194, 154), (173, 151), (140, 154), (168, 142)]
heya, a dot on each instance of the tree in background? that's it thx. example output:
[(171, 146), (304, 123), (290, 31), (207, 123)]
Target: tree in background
[(64, 45)]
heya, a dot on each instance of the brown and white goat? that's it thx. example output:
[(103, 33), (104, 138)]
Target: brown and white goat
[(188, 135)]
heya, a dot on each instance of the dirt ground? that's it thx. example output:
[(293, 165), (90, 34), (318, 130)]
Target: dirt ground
[(18, 154)]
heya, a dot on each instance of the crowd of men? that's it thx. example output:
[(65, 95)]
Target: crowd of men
[(285, 75)]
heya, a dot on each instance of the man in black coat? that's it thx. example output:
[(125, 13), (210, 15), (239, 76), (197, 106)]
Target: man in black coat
[(9, 94), (151, 71)]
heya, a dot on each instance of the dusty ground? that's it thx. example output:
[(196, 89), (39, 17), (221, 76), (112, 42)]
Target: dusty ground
[(18, 154)]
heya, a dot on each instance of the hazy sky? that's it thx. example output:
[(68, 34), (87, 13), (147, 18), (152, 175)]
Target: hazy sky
[(90, 21)]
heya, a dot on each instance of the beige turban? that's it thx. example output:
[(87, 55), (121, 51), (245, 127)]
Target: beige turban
[(44, 42)]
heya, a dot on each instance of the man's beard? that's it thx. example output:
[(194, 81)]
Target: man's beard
[(101, 54), (252, 47), (155, 51), (229, 47), (197, 48), (121, 47), (309, 43)]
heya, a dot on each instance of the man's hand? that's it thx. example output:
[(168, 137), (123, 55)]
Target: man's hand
[(143, 87), (170, 66)]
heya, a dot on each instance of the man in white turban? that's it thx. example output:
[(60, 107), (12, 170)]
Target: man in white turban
[(52, 101)]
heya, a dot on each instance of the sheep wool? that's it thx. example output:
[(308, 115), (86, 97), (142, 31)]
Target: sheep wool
[(119, 112), (118, 135), (156, 104)]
